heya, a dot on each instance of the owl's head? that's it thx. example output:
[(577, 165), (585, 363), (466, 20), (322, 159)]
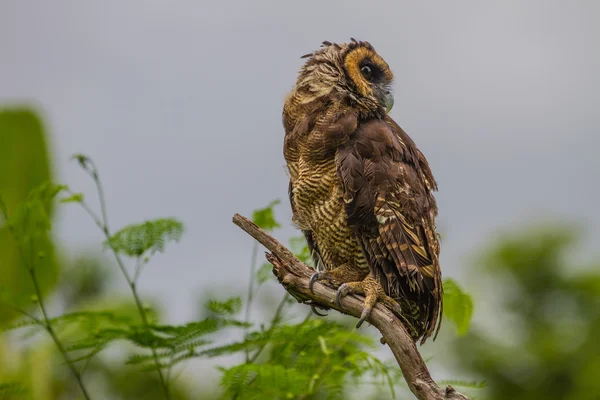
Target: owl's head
[(351, 70)]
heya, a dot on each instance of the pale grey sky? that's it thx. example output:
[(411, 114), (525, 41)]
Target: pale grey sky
[(179, 103)]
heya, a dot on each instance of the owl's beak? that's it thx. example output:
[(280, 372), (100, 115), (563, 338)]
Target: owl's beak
[(389, 102)]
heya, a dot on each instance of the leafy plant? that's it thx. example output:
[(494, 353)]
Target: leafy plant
[(284, 359), (458, 306)]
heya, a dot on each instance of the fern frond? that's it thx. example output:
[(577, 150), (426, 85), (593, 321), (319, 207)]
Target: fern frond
[(252, 381), (21, 324), (252, 343), (230, 306), (179, 335), (149, 237)]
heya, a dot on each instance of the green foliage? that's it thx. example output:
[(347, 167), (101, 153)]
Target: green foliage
[(252, 381), (173, 344), (73, 198), (31, 219), (458, 306), (24, 165), (230, 306), (87, 279), (300, 249), (542, 340), (10, 389), (136, 240), (285, 359), (265, 217), (312, 359)]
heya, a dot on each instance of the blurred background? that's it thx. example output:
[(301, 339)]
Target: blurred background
[(179, 105)]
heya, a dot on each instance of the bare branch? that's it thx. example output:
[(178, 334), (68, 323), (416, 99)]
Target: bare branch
[(294, 275)]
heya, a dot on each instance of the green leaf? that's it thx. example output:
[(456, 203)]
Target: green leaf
[(151, 236), (24, 166), (267, 381), (231, 306), (11, 389), (323, 345), (74, 198), (458, 306), (265, 218), (31, 220), (300, 249)]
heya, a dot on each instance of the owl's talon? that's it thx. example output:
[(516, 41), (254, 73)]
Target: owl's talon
[(317, 276), (314, 310), (364, 315), (342, 291)]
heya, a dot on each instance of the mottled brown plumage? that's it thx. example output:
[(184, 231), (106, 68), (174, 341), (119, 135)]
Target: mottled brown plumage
[(360, 189)]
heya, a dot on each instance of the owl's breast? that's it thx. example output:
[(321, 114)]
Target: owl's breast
[(319, 208), (316, 193)]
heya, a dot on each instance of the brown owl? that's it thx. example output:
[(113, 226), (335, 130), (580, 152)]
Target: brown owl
[(360, 190)]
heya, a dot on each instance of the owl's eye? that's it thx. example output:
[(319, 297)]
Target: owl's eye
[(367, 72)]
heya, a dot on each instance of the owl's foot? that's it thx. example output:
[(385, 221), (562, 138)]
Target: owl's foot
[(373, 292), (318, 276), (343, 273)]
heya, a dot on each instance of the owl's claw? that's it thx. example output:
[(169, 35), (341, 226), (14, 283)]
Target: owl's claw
[(342, 291), (373, 293), (314, 310), (317, 276)]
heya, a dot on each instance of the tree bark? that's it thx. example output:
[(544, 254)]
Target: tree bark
[(294, 275)]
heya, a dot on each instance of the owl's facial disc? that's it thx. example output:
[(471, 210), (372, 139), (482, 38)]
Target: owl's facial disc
[(371, 76)]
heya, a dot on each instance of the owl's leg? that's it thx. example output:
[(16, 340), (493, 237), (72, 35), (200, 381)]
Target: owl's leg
[(373, 292), (341, 274)]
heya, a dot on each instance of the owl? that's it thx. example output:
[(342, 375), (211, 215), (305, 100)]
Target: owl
[(360, 190)]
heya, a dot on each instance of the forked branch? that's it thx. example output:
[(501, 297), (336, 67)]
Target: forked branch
[(294, 275)]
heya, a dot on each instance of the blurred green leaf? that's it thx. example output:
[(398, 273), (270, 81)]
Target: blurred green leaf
[(541, 341), (230, 306), (151, 236), (24, 166), (300, 249), (74, 198), (458, 306), (11, 389), (265, 217), (30, 222)]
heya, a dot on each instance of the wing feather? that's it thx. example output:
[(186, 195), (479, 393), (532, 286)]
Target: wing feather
[(387, 190)]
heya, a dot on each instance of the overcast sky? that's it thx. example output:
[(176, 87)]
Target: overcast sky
[(179, 103)]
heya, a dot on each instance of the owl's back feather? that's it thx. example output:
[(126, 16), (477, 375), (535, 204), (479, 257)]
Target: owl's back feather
[(390, 206)]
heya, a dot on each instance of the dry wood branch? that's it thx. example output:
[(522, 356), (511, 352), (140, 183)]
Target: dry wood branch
[(294, 275)]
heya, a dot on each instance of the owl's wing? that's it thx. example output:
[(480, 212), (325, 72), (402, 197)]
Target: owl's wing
[(387, 190)]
